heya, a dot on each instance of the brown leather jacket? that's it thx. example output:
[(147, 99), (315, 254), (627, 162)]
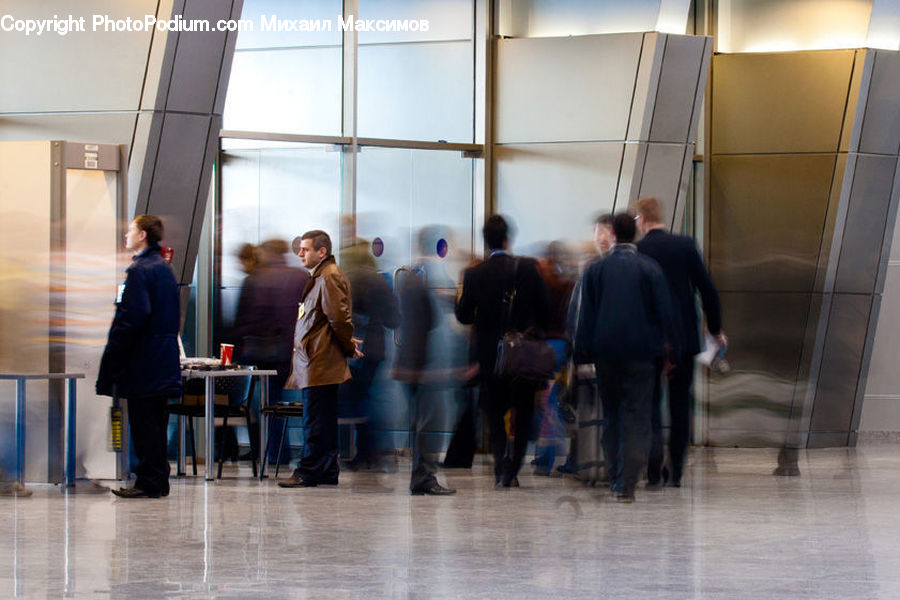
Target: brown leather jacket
[(323, 336)]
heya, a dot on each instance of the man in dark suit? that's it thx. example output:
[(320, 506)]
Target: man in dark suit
[(482, 303), (140, 361), (625, 330), (681, 263)]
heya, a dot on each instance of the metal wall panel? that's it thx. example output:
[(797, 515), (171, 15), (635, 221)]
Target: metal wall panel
[(828, 439), (532, 178), (645, 88), (660, 176), (766, 338), (831, 216), (881, 124), (847, 325), (788, 102), (72, 62), (852, 121), (581, 87), (863, 234), (766, 214), (177, 167), (678, 81), (198, 59)]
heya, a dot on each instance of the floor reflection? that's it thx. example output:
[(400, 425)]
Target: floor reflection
[(733, 531)]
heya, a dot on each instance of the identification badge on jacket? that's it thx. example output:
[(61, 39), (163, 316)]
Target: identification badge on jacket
[(301, 311)]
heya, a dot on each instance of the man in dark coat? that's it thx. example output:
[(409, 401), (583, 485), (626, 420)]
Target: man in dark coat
[(140, 362), (625, 328), (681, 264), (481, 304), (264, 324)]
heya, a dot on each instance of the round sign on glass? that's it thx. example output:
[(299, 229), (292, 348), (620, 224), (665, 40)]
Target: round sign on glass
[(377, 247)]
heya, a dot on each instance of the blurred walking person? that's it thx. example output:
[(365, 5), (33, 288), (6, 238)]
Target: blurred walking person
[(684, 271), (625, 328)]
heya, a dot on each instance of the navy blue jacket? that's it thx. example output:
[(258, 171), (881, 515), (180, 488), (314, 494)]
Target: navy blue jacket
[(681, 264), (626, 312), (141, 355)]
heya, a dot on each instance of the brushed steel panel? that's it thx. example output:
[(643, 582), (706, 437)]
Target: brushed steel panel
[(95, 70), (889, 233), (865, 362), (581, 87), (174, 188), (630, 175), (831, 215), (678, 80), (661, 176), (828, 439), (766, 334), (852, 115), (645, 87), (784, 102), (198, 60), (880, 132), (864, 229), (684, 189), (766, 217), (848, 323), (531, 179), (737, 438)]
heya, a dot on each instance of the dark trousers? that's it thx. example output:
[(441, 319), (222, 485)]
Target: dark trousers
[(149, 422), (681, 404), (503, 394), (320, 462), (626, 390), (424, 464)]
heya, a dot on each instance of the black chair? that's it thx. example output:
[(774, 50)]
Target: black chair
[(283, 411), (196, 409)]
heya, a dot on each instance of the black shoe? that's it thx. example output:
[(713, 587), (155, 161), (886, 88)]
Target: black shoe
[(134, 493), (514, 482), (625, 498), (297, 480), (432, 489), (675, 483), (329, 481), (654, 485)]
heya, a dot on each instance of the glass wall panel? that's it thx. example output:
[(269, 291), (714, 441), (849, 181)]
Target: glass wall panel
[(293, 90), (417, 91), (287, 81), (418, 85), (401, 191), (309, 11), (273, 193), (405, 197), (447, 20)]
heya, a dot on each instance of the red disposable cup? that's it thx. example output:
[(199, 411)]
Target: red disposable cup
[(225, 353), (168, 254)]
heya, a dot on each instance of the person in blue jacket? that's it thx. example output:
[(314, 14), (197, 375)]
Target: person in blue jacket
[(140, 361)]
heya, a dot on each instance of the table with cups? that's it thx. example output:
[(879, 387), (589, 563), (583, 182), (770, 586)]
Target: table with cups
[(210, 369)]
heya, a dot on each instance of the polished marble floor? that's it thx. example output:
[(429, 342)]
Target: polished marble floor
[(733, 531)]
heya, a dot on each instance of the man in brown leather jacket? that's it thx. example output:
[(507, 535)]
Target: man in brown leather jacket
[(323, 341)]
